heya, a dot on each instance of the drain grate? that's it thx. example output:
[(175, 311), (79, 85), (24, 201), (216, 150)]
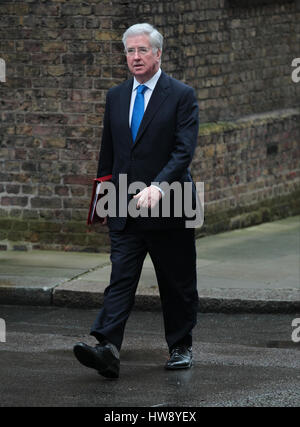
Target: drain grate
[(283, 344)]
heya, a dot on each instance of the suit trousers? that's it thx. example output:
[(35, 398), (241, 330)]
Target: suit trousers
[(173, 254)]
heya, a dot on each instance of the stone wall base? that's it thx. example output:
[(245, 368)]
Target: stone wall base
[(251, 172)]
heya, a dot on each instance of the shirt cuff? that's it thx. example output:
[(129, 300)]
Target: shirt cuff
[(162, 192)]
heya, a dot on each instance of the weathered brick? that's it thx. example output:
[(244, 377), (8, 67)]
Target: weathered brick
[(77, 119), (54, 47), (77, 107), (46, 202), (77, 35), (78, 191), (75, 203), (14, 188), (94, 119), (14, 9), (45, 190), (61, 190), (79, 132), (74, 9), (93, 22), (54, 142), (45, 9), (104, 9), (14, 201), (105, 35), (56, 70), (78, 180), (105, 84), (46, 119), (12, 166), (83, 58)]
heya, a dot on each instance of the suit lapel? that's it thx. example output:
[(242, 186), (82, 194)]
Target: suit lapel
[(159, 95), (124, 100)]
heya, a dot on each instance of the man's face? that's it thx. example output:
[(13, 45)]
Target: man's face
[(142, 65)]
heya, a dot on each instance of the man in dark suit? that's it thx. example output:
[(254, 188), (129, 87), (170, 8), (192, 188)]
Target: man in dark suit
[(149, 136)]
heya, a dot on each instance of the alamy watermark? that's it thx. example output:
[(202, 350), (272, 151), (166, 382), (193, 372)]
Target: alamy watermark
[(2, 71), (180, 200), (296, 331), (2, 330), (296, 72)]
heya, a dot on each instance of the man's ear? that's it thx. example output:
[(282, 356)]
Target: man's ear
[(158, 53)]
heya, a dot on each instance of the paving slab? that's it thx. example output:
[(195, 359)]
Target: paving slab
[(31, 277), (253, 269)]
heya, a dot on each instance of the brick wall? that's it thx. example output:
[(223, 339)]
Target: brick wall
[(238, 58), (250, 168), (62, 57)]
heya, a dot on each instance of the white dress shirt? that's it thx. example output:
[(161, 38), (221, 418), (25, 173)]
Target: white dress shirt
[(147, 95)]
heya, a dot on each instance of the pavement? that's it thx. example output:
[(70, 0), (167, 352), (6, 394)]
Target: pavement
[(255, 269), (240, 360)]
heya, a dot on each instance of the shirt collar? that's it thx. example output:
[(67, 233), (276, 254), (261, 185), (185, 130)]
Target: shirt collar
[(150, 83)]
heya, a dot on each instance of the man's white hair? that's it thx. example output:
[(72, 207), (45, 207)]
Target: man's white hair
[(156, 39)]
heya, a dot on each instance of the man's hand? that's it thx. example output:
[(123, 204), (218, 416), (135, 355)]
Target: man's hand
[(148, 198)]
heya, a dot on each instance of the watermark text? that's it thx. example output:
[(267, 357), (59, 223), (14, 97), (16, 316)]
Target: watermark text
[(180, 200), (296, 331), (2, 330), (296, 72), (2, 71)]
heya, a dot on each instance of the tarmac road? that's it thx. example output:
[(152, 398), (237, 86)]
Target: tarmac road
[(240, 360)]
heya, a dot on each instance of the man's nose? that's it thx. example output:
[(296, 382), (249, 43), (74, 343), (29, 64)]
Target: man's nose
[(137, 54)]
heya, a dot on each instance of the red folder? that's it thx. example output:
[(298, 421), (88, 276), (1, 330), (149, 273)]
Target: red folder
[(92, 216)]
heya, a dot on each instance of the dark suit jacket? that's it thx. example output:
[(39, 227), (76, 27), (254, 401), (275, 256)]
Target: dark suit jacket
[(163, 149)]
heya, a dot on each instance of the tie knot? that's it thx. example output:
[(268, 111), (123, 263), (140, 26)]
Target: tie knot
[(142, 89)]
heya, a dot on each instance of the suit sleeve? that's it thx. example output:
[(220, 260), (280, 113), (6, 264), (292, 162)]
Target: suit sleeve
[(185, 138), (105, 163)]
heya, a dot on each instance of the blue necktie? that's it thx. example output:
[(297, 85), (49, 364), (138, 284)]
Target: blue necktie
[(138, 111)]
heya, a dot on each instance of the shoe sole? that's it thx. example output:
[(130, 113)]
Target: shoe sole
[(176, 368), (87, 359)]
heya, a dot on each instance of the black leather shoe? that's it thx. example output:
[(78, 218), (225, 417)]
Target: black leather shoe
[(104, 358), (181, 358)]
